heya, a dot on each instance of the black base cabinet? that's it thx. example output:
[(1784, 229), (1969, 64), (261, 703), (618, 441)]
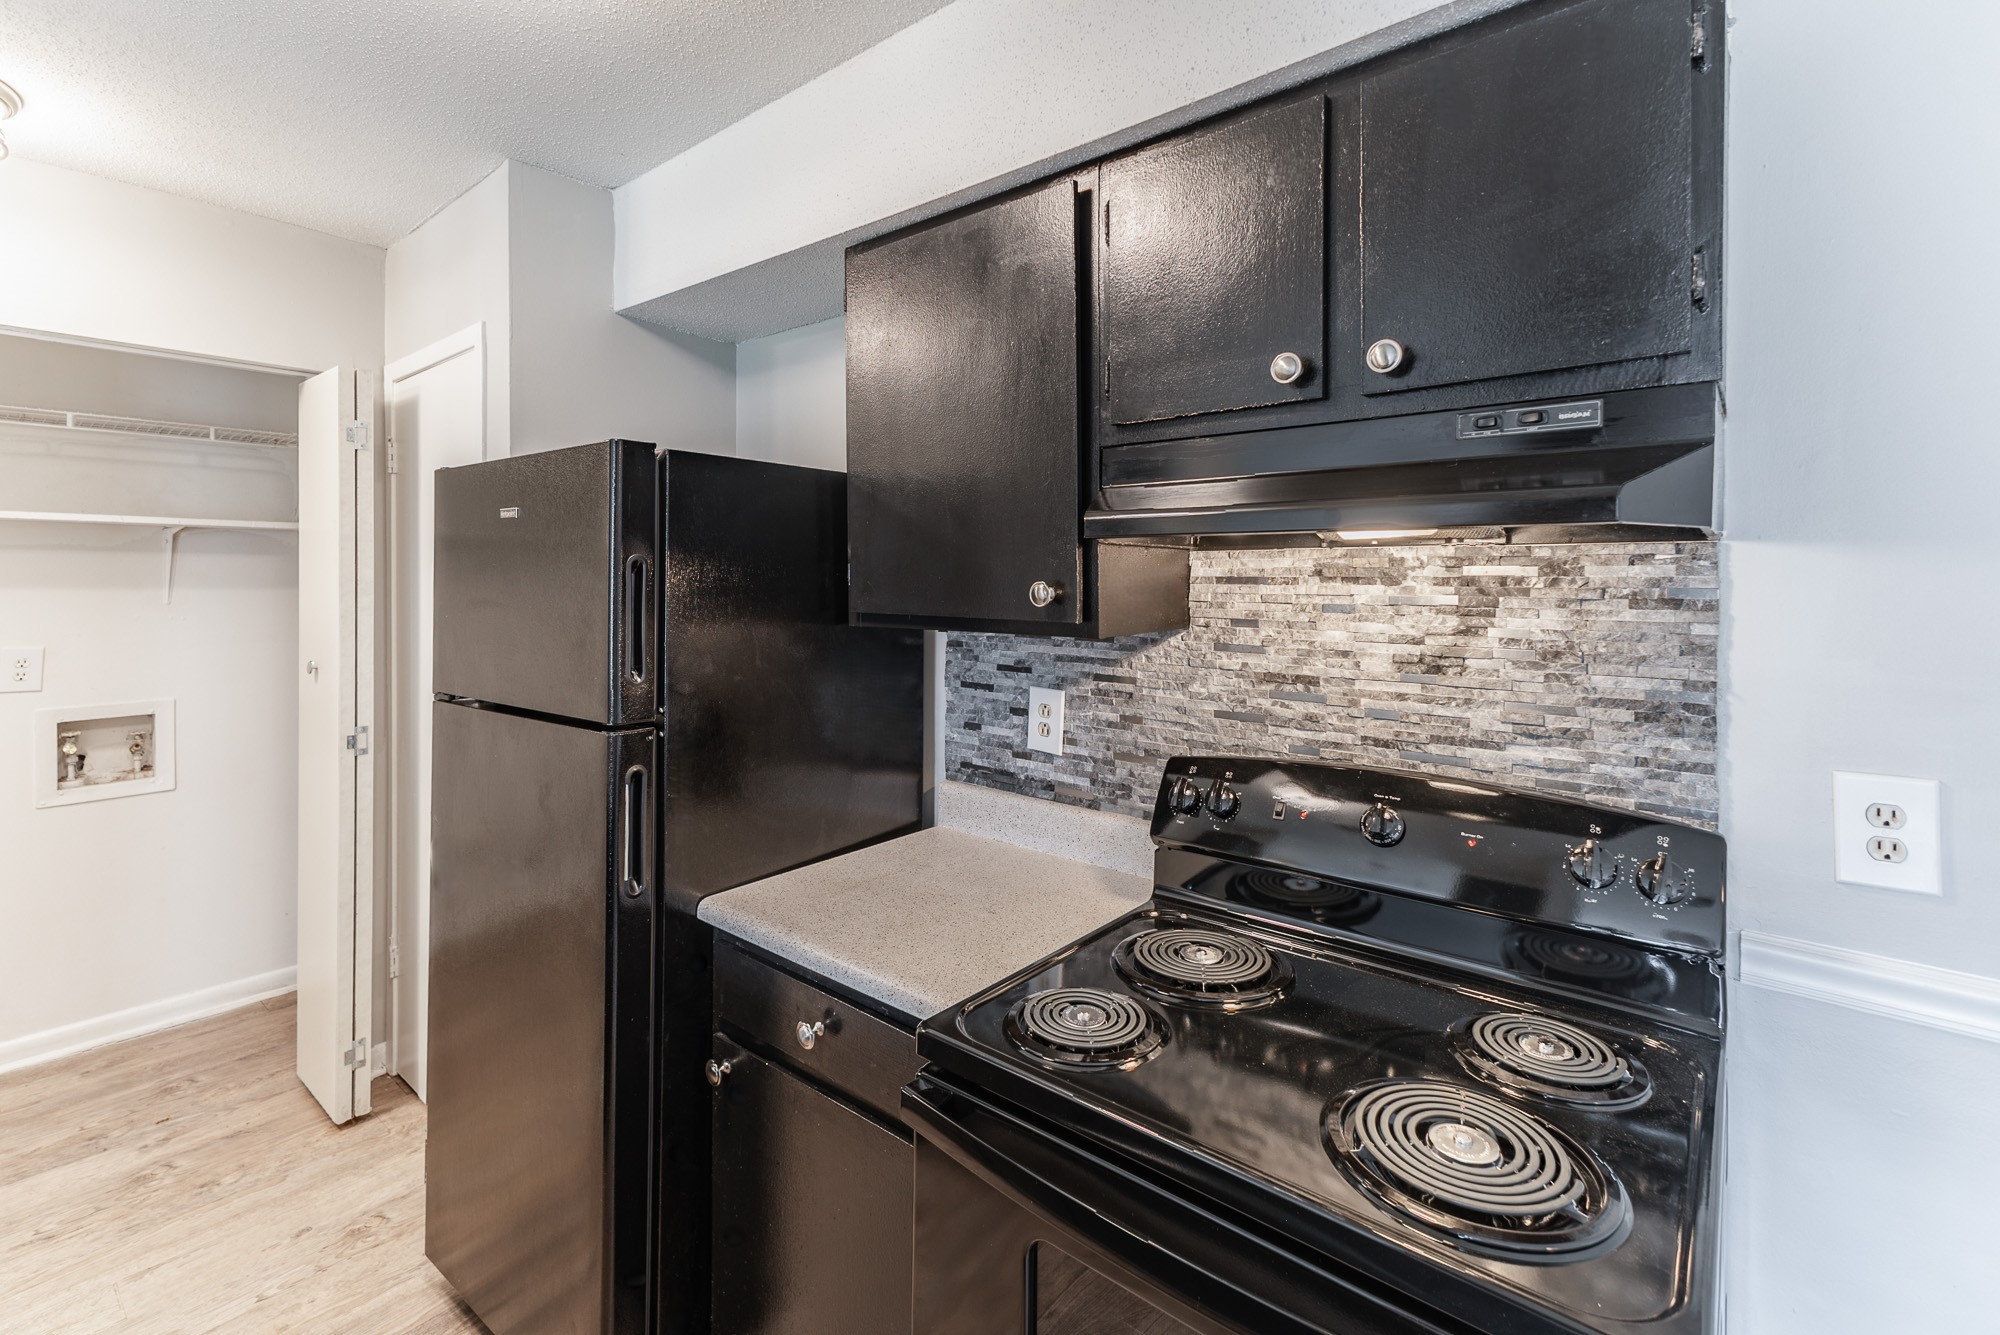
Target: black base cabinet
[(813, 1181)]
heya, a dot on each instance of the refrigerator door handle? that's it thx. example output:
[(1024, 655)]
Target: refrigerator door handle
[(635, 842), (637, 581)]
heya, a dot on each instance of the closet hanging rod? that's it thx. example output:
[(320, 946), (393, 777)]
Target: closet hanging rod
[(139, 426)]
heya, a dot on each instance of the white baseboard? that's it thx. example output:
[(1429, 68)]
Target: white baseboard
[(1963, 1003), (65, 1040)]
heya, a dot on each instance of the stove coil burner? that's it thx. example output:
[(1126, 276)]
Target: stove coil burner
[(1554, 1060), (1478, 1172), (1600, 965), (1329, 902), (1207, 968), (1085, 1028)]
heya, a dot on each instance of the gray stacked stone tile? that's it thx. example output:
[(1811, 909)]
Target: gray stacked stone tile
[(1584, 671)]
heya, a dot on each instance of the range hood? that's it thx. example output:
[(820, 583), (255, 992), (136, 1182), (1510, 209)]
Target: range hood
[(1633, 465)]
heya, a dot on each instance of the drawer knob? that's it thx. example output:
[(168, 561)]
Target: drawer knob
[(718, 1072), (1287, 367), (1386, 356), (811, 1034), (1041, 593)]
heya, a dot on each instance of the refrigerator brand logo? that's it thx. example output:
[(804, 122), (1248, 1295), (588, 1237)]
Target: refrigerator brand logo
[(510, 512)]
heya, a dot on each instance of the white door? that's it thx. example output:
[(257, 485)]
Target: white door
[(437, 419), (336, 892)]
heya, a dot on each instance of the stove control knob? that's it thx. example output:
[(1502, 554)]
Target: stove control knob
[(1381, 826), (1591, 867), (1184, 797), (1663, 882), (1224, 801)]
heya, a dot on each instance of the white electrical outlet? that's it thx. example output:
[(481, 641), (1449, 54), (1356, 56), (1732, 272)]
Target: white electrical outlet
[(1887, 832), (21, 668), (1045, 720)]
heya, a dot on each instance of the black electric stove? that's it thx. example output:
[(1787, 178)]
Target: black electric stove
[(1385, 1053)]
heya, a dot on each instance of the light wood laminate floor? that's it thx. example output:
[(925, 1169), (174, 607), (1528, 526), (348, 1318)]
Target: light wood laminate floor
[(186, 1183)]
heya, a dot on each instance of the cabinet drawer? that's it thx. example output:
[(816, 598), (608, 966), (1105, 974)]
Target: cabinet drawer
[(829, 1038)]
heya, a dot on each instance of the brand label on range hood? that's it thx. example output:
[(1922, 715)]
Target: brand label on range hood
[(1586, 415)]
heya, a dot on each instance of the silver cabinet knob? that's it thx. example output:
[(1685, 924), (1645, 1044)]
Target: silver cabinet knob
[(718, 1072), (1287, 367), (312, 667), (1386, 355), (1041, 593), (811, 1034)]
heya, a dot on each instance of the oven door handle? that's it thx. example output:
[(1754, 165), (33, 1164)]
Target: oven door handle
[(1217, 1268)]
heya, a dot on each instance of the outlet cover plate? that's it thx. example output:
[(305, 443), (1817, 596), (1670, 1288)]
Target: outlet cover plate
[(1922, 872), (21, 668), (1045, 720)]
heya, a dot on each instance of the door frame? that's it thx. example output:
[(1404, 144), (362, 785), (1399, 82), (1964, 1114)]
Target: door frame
[(407, 976)]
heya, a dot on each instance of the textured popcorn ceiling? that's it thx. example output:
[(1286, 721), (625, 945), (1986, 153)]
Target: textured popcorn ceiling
[(363, 117)]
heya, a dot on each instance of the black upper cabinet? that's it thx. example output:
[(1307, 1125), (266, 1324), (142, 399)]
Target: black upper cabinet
[(967, 472), (1526, 199), (1214, 267), (1526, 207), (962, 427)]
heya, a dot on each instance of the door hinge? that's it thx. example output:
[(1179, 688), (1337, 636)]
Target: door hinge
[(389, 455), (1698, 279), (1698, 37), (357, 741), (357, 435), (395, 960), (356, 1056)]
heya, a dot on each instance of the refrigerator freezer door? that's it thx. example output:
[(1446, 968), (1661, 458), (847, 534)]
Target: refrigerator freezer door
[(547, 582), (540, 1021)]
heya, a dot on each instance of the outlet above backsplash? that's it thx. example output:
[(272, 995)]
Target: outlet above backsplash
[(1581, 670)]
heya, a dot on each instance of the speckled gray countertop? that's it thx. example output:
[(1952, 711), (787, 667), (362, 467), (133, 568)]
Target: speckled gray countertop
[(922, 922)]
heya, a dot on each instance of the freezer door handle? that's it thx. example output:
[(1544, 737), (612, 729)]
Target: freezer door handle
[(636, 583), (635, 842)]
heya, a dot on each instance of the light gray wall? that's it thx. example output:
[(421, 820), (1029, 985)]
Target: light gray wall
[(580, 371), (1859, 630), (791, 396), (449, 274)]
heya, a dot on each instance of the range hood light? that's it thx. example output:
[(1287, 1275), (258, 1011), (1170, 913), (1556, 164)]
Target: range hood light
[(1381, 534)]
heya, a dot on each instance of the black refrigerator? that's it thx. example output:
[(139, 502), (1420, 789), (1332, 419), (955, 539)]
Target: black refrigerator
[(647, 691)]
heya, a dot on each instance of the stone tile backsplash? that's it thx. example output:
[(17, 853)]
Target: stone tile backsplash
[(1585, 671)]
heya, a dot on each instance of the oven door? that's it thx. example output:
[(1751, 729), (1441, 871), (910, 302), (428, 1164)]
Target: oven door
[(1021, 1231)]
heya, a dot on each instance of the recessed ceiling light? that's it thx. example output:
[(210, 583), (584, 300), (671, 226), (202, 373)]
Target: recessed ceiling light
[(10, 105)]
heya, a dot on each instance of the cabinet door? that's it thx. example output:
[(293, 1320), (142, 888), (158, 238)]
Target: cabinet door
[(1526, 197), (1214, 264), (963, 446), (812, 1206)]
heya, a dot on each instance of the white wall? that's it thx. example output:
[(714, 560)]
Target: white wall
[(450, 273), (580, 371), (742, 235), (127, 913), (791, 396), (99, 259), (132, 912), (1859, 634)]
